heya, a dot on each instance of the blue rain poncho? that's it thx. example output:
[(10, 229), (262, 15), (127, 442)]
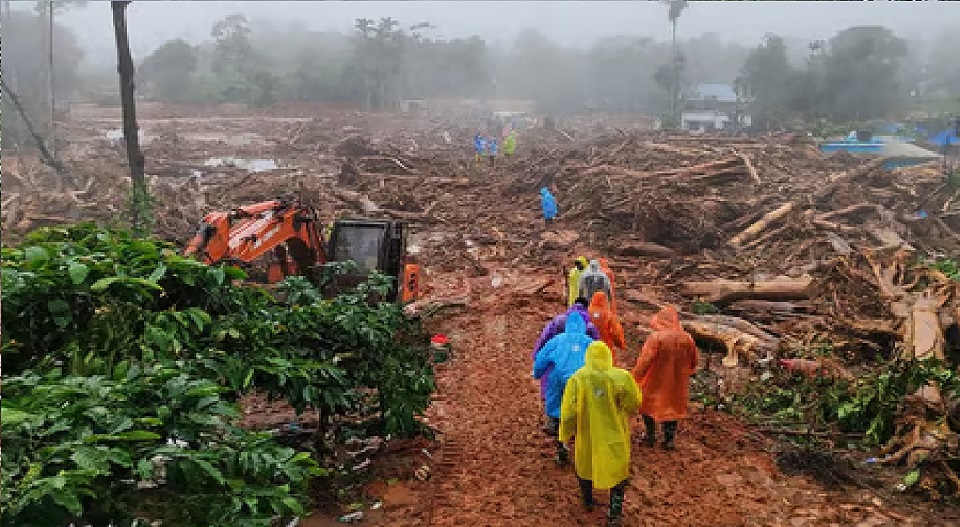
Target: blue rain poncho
[(565, 353), (549, 203), (480, 144)]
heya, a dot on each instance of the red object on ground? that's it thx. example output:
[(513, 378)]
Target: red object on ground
[(439, 339)]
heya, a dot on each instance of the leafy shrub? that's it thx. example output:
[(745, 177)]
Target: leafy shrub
[(124, 341), (80, 449)]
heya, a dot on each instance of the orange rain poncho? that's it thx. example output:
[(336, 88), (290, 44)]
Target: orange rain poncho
[(597, 403), (668, 359), (603, 317)]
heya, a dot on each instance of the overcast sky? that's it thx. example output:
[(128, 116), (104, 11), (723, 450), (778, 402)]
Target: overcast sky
[(569, 22)]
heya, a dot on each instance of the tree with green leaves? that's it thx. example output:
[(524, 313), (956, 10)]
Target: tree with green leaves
[(766, 82), (233, 48), (377, 47), (169, 68), (861, 74)]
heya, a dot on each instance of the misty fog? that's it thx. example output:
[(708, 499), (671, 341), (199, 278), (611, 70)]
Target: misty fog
[(792, 60)]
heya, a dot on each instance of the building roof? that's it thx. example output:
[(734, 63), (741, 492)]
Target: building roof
[(716, 91)]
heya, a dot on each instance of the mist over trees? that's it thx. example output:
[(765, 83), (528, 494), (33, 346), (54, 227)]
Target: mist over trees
[(25, 68), (860, 73)]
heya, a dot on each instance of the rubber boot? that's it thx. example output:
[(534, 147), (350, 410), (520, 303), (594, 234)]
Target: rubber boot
[(563, 455), (669, 433), (586, 494), (615, 512), (651, 427)]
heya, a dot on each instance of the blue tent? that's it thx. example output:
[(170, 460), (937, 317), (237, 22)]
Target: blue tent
[(945, 137)]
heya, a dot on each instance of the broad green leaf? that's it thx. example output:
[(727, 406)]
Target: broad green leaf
[(68, 500), (157, 273), (35, 255), (210, 470), (293, 505), (132, 435), (145, 469), (104, 283), (58, 306), (78, 272), (12, 417)]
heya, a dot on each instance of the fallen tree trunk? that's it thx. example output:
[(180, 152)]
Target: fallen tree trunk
[(735, 341), (761, 224), (645, 249), (723, 292)]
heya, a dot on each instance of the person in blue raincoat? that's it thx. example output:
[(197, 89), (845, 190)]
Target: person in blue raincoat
[(548, 203), (565, 354), (492, 150), (479, 145)]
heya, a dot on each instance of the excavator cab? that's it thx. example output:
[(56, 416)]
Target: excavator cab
[(374, 245)]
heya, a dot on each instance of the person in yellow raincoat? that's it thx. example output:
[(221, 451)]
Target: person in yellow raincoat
[(668, 358), (595, 410), (573, 280)]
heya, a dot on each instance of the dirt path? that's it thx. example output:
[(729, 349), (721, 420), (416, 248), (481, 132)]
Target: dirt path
[(496, 466)]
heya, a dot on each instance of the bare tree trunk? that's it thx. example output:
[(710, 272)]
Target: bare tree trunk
[(50, 91), (130, 131), (676, 75)]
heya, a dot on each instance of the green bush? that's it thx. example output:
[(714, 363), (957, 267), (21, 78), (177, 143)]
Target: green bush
[(100, 319)]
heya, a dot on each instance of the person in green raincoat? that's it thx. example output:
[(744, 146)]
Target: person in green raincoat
[(510, 143), (595, 410)]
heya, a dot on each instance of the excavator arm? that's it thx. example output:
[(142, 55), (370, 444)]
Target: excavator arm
[(282, 227)]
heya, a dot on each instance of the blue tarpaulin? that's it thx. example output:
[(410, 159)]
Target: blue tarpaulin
[(945, 137)]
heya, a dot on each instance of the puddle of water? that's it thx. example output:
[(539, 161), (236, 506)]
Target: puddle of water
[(253, 165), (242, 139), (116, 135)]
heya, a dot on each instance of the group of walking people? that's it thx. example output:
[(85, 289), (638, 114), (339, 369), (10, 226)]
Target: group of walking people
[(589, 401), (489, 147)]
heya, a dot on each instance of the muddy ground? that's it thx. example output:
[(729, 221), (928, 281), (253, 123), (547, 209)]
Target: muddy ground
[(477, 226)]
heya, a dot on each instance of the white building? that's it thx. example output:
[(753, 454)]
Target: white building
[(713, 107)]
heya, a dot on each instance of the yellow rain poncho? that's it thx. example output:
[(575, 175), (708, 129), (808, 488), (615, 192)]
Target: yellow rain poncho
[(573, 280), (596, 406)]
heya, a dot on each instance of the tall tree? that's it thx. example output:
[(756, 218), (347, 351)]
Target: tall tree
[(675, 8), (765, 80), (140, 196), (232, 35), (169, 67), (861, 73)]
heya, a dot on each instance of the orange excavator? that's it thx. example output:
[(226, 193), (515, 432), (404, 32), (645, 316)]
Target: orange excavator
[(287, 235)]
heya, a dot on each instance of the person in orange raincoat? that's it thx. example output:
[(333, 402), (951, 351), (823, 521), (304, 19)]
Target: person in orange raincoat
[(668, 358), (605, 267), (603, 317)]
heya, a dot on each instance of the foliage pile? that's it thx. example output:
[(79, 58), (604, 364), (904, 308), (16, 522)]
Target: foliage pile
[(124, 364), (865, 412)]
